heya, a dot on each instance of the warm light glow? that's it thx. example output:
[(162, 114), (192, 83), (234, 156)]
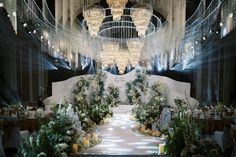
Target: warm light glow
[(141, 15), (14, 13), (25, 25), (94, 16), (117, 8)]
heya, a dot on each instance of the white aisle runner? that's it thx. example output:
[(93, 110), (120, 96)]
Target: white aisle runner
[(118, 138)]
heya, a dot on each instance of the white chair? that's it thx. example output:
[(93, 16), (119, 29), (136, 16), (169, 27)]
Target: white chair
[(24, 134), (223, 139)]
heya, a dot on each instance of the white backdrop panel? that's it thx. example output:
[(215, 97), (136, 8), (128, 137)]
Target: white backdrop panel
[(171, 89)]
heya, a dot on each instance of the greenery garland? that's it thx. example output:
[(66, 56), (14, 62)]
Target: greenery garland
[(137, 88), (93, 107), (148, 113), (184, 135), (112, 97)]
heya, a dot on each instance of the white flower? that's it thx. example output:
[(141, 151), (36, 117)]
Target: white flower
[(70, 132), (42, 154), (67, 138), (63, 145), (63, 154), (51, 123), (31, 140)]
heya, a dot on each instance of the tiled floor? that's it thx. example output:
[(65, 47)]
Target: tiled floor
[(118, 138)]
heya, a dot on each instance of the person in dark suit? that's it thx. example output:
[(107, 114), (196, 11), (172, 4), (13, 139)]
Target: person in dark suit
[(40, 102)]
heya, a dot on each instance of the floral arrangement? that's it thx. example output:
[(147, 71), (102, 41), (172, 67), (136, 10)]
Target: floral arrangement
[(81, 103), (147, 131), (53, 139), (184, 135), (112, 98), (147, 114), (90, 102), (88, 140), (137, 88)]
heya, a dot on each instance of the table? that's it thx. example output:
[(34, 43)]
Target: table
[(31, 124), (209, 126)]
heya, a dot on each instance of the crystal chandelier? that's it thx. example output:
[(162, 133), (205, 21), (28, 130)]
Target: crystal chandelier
[(94, 16), (108, 52), (141, 15), (134, 48), (117, 8), (122, 60)]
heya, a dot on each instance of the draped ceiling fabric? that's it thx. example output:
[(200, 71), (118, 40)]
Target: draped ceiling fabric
[(173, 44), (66, 12), (175, 13), (168, 37), (11, 7)]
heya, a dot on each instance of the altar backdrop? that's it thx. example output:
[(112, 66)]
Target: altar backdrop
[(171, 89)]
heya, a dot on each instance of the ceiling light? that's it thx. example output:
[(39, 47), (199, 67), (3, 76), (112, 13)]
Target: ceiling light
[(231, 15), (94, 15), (34, 31), (221, 24), (25, 25), (1, 4), (141, 15), (117, 8), (204, 38), (14, 13)]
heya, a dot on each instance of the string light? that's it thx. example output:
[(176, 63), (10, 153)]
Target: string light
[(25, 25)]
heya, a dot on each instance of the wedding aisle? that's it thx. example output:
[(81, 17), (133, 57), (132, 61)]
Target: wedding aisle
[(118, 138)]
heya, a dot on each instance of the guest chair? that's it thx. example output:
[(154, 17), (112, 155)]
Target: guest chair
[(223, 139)]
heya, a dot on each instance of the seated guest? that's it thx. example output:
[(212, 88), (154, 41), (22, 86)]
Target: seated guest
[(40, 102)]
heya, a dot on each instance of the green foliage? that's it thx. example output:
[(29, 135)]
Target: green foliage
[(112, 98), (184, 135), (147, 113), (137, 88), (53, 139), (92, 108)]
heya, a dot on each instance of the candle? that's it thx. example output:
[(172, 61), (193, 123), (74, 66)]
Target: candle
[(161, 149), (74, 148)]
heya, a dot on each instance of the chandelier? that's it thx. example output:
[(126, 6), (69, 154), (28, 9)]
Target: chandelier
[(94, 16), (119, 42), (122, 60), (117, 8), (141, 15), (108, 53), (134, 48)]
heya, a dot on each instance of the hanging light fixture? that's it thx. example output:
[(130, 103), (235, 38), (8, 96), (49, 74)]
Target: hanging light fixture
[(108, 53), (117, 8), (122, 60), (141, 15), (134, 48), (94, 16)]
